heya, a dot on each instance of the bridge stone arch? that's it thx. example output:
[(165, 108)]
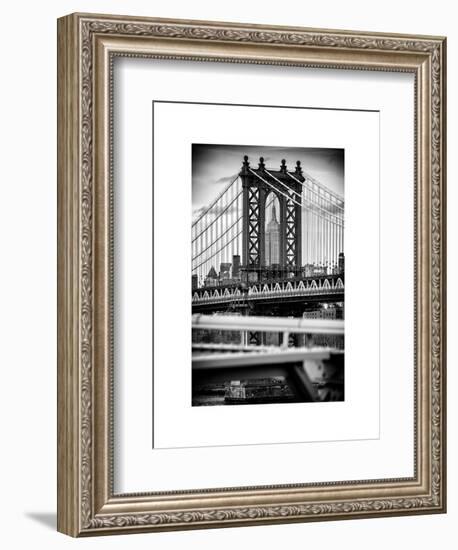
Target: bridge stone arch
[(257, 184)]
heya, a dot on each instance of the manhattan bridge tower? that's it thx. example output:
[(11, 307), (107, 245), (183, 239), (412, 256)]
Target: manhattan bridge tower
[(278, 245)]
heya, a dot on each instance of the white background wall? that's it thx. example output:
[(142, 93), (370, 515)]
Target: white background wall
[(28, 272)]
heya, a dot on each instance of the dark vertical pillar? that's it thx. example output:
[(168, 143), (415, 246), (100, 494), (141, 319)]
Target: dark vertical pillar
[(282, 205), (261, 217), (262, 226), (245, 228), (298, 231), (244, 175), (298, 217)]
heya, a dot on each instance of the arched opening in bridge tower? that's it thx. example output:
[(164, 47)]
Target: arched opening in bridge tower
[(272, 253), (272, 231)]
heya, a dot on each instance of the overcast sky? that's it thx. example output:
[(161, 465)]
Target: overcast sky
[(213, 166)]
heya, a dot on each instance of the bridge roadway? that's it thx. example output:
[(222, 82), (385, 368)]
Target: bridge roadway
[(269, 294)]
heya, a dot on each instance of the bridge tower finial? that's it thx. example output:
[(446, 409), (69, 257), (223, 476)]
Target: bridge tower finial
[(262, 166), (245, 165), (283, 167), (298, 167)]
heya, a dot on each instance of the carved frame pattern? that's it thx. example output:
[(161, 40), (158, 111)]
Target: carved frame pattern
[(86, 505)]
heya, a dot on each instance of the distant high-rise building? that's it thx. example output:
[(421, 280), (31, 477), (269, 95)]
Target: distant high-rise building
[(341, 262), (225, 270), (272, 239), (195, 281), (236, 266)]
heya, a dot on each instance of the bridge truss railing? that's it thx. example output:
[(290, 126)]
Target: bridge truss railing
[(283, 325), (297, 325)]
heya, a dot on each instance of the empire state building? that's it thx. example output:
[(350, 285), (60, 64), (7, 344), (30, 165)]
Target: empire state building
[(272, 239)]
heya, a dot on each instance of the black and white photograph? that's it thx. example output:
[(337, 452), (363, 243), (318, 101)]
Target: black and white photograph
[(267, 275)]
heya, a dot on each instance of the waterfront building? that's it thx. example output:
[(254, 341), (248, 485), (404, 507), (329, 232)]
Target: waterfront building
[(195, 282)]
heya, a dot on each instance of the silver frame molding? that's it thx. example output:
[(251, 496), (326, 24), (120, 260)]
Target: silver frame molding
[(87, 45)]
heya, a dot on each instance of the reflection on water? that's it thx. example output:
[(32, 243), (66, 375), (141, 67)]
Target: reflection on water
[(207, 400)]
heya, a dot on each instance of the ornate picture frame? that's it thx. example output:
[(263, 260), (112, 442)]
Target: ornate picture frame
[(87, 46)]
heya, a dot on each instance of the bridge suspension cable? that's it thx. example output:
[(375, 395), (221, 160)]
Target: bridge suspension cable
[(216, 233), (284, 184), (320, 186), (323, 238), (218, 238), (226, 251), (276, 190), (218, 216), (326, 212), (217, 251), (309, 179), (218, 197), (288, 197)]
